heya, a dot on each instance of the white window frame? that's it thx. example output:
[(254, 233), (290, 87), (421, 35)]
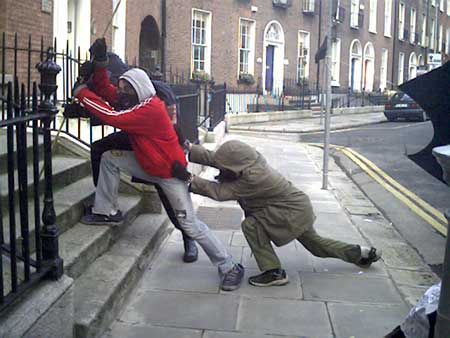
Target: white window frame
[(432, 37), (335, 62), (441, 5), (448, 7), (401, 20), (447, 42), (207, 40), (401, 68), (354, 13), (250, 49), (423, 35), (119, 29), (412, 25), (384, 68), (373, 16), (303, 59), (440, 38), (387, 18)]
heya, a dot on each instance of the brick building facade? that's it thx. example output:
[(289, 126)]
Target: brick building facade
[(376, 44)]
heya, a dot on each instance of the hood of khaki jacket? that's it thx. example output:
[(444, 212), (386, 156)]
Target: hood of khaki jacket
[(235, 156)]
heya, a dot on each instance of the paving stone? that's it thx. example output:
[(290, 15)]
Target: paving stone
[(345, 288), (292, 290), (414, 278), (412, 294), (365, 321), (187, 310), (121, 330), (401, 256), (223, 236), (327, 207), (238, 239), (284, 317), (337, 266), (215, 334), (221, 218), (187, 277)]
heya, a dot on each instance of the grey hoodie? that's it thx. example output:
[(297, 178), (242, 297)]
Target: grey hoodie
[(141, 83)]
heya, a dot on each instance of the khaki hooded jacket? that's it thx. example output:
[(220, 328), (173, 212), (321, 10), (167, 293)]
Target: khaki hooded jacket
[(281, 211)]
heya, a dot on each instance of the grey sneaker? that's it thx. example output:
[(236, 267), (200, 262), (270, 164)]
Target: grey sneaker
[(368, 256), (233, 278), (272, 277)]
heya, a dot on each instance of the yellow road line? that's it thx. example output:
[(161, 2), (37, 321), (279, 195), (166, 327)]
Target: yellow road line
[(439, 215), (399, 191)]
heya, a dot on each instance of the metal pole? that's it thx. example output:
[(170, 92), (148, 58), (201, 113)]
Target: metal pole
[(326, 144), (443, 314)]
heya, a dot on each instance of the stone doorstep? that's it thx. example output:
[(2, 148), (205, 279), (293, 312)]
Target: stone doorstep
[(82, 244), (105, 286)]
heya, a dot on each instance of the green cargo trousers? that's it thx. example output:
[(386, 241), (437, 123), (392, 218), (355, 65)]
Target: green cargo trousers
[(319, 246)]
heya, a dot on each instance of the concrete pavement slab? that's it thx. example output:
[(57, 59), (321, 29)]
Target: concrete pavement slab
[(183, 310), (187, 277), (400, 255), (336, 266), (365, 321), (238, 239), (349, 288), (212, 334), (121, 330), (284, 317)]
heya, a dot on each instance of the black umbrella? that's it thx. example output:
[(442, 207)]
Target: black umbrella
[(432, 92)]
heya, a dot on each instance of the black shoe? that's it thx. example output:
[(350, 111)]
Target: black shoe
[(269, 278), (233, 278), (368, 256), (98, 219), (190, 250)]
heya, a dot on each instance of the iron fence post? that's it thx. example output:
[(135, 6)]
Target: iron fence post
[(443, 313), (48, 70), (257, 98)]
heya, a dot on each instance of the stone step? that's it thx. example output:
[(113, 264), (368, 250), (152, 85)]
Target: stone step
[(66, 170), (82, 244), (4, 150), (68, 204), (104, 287)]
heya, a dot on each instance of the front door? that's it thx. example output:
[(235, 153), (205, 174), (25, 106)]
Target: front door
[(269, 67), (352, 75)]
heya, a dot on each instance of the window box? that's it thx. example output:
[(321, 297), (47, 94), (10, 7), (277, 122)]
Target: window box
[(200, 76), (246, 78), (282, 3)]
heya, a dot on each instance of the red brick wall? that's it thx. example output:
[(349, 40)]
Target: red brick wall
[(24, 18), (101, 12)]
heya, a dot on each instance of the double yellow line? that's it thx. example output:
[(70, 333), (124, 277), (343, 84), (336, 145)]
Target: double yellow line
[(420, 207)]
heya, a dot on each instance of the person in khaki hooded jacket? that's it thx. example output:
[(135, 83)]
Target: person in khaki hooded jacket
[(275, 211)]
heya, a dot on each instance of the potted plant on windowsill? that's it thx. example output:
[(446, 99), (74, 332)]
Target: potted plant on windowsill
[(246, 78), (200, 76)]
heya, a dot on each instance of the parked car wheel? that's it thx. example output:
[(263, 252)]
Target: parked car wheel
[(391, 119)]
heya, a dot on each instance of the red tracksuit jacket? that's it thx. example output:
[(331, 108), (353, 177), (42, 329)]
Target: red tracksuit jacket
[(148, 126)]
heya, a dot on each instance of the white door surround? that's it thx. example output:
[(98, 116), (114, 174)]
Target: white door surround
[(274, 36)]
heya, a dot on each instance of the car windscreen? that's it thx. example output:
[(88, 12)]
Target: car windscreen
[(401, 97)]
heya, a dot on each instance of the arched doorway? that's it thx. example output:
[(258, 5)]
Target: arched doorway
[(369, 67), (149, 44), (412, 66), (355, 65), (273, 58)]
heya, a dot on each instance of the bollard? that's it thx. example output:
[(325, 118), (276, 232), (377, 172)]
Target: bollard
[(443, 314)]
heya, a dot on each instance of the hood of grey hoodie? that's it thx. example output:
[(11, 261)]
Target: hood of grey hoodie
[(141, 83)]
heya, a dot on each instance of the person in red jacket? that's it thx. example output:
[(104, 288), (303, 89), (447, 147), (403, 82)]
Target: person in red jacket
[(155, 149)]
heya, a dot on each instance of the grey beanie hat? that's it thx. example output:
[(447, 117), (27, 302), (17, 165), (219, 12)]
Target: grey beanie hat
[(141, 83)]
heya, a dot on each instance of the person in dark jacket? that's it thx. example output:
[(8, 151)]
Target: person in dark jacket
[(275, 211), (120, 140), (155, 149)]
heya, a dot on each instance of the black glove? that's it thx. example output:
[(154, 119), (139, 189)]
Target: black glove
[(179, 171), (98, 50), (74, 110), (86, 71)]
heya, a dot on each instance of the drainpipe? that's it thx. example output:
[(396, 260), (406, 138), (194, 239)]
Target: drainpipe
[(163, 37), (394, 44), (318, 46)]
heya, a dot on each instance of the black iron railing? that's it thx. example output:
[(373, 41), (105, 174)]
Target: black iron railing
[(28, 249)]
